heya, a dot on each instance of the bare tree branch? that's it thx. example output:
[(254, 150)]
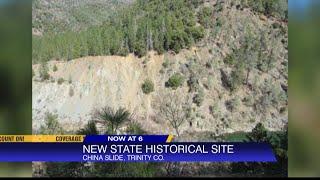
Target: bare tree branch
[(172, 108)]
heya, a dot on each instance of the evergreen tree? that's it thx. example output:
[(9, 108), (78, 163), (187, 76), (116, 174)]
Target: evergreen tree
[(160, 25)]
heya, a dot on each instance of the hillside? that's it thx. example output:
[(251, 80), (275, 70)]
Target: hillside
[(59, 16), (211, 72), (225, 90), (116, 82), (138, 28), (217, 68)]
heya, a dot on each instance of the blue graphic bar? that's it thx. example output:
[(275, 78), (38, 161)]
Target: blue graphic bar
[(136, 152)]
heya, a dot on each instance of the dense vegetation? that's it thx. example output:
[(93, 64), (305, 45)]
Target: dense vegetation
[(59, 16), (146, 25), (276, 8)]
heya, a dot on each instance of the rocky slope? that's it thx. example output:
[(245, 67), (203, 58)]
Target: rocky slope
[(115, 81)]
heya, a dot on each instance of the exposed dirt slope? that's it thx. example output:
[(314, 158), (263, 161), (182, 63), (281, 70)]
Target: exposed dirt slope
[(116, 82)]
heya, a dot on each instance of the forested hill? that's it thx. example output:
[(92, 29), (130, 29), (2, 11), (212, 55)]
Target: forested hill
[(57, 16), (143, 25)]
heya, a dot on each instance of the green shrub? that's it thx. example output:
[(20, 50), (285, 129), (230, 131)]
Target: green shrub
[(175, 81), (199, 98), (234, 80), (140, 49), (278, 96), (282, 110), (51, 125), (89, 129), (43, 72), (166, 63), (248, 101), (193, 83), (219, 7), (232, 104), (237, 78), (267, 61), (135, 128), (189, 113), (230, 59), (273, 95), (148, 86), (210, 82), (219, 22), (55, 68), (204, 16), (225, 79), (264, 102), (215, 110), (276, 25), (263, 66), (238, 136), (209, 64), (70, 80), (60, 81)]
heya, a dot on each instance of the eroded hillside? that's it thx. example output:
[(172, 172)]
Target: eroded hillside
[(222, 90)]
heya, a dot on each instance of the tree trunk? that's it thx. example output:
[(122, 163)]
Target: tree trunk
[(177, 131)]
